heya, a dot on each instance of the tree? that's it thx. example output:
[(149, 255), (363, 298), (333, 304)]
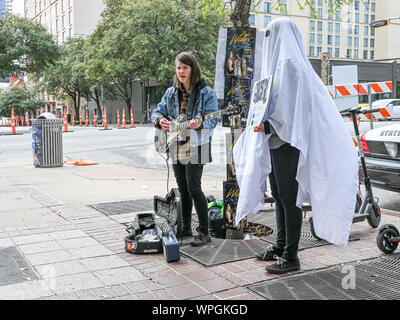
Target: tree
[(25, 47), (240, 9), (67, 75), (19, 98)]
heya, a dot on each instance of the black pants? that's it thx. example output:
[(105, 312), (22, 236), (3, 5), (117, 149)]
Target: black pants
[(188, 178), (284, 190)]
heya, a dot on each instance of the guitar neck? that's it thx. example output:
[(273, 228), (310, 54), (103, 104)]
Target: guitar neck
[(208, 116)]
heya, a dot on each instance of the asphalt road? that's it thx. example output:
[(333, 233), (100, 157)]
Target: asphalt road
[(134, 147)]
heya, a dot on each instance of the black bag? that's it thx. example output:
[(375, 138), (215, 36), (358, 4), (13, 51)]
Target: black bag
[(216, 220)]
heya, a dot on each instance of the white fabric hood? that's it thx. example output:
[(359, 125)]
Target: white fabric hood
[(304, 115)]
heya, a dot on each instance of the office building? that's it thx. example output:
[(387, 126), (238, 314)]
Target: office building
[(5, 8)]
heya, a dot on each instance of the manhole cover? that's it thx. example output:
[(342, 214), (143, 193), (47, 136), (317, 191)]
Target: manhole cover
[(223, 251), (120, 207), (13, 267), (375, 279), (307, 240)]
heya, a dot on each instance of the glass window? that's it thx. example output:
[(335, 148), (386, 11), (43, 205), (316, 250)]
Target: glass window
[(319, 14), (372, 55), (355, 53), (312, 38), (330, 14), (349, 17), (348, 53), (373, 6), (366, 30), (350, 29), (357, 5), (319, 50), (337, 27), (366, 8), (372, 17), (365, 42), (62, 7), (372, 43), (267, 19), (320, 3), (356, 29), (337, 52), (319, 25), (63, 21), (365, 54), (337, 40), (252, 19), (57, 25), (372, 31), (311, 51), (349, 41), (330, 26), (329, 40), (366, 19), (63, 36), (56, 8), (357, 17), (70, 33), (319, 38), (356, 42), (284, 9), (330, 51), (267, 6), (337, 15), (70, 17), (312, 24)]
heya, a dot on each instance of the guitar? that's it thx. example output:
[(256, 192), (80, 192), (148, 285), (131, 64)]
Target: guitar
[(163, 139)]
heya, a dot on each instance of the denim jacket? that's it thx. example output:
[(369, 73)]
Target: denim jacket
[(206, 102)]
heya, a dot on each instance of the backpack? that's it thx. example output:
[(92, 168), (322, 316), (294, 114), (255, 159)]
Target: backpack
[(216, 219)]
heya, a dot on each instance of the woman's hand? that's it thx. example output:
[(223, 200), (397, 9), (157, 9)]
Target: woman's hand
[(165, 124), (259, 128), (194, 124)]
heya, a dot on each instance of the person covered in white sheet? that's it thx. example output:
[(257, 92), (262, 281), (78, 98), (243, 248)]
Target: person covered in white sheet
[(307, 153)]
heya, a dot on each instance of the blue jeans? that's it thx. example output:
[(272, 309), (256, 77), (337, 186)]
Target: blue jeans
[(284, 190)]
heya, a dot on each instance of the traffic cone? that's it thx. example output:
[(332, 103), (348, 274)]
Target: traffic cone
[(65, 120), (118, 120), (123, 118), (94, 118), (105, 118), (13, 122), (80, 118), (87, 118), (73, 119), (132, 120), (22, 121)]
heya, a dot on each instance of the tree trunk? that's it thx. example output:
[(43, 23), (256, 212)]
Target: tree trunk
[(241, 13)]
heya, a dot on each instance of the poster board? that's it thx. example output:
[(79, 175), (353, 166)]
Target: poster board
[(260, 99)]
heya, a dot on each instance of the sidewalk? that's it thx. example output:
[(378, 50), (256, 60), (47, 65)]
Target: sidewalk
[(68, 250)]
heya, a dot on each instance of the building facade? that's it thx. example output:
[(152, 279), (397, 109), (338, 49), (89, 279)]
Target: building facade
[(5, 8)]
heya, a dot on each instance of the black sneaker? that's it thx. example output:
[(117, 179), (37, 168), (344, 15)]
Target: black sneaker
[(185, 233), (269, 254), (201, 239), (282, 266)]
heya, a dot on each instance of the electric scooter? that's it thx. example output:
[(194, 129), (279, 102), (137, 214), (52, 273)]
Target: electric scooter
[(366, 207)]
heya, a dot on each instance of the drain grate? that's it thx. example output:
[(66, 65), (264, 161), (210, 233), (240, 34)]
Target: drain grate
[(14, 268), (307, 240), (375, 279), (223, 251), (120, 207)]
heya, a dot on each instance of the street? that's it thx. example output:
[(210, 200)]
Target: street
[(134, 148)]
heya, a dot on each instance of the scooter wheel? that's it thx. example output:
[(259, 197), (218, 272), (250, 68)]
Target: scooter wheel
[(312, 229), (382, 240), (374, 217)]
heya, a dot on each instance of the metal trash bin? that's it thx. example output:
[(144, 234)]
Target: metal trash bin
[(47, 142)]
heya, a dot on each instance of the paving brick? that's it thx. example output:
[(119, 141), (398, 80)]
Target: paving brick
[(90, 252), (49, 257), (146, 296), (85, 295), (68, 234), (120, 290), (40, 247), (188, 291), (103, 293), (216, 284), (172, 281), (119, 275), (102, 263), (230, 293), (200, 275), (60, 269), (129, 297), (136, 287), (76, 282), (26, 290), (78, 242), (6, 242), (164, 295), (31, 239), (150, 284)]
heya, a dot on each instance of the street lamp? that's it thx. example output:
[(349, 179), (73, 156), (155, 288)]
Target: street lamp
[(382, 22)]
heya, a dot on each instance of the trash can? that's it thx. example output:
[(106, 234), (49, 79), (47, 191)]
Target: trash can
[(47, 141)]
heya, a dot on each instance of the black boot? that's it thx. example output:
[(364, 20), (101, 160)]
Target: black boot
[(185, 232)]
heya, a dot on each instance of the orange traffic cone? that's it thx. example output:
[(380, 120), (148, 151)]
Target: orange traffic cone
[(65, 121), (13, 122), (94, 118), (123, 118), (118, 120), (73, 119), (87, 118), (132, 120), (80, 118)]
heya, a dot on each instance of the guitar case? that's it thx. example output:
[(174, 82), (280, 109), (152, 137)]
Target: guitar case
[(170, 208)]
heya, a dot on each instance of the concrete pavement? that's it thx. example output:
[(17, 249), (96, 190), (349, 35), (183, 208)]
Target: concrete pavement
[(72, 251)]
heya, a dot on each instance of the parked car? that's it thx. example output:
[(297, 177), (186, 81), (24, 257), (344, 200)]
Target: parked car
[(381, 148), (391, 105)]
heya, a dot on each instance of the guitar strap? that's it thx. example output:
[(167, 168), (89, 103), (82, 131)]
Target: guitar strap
[(193, 98)]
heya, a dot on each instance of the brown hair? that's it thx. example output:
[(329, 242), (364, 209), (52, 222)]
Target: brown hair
[(189, 59)]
